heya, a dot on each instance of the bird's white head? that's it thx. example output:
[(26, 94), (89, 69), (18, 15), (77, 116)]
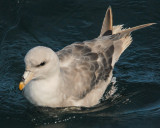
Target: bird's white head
[(40, 62)]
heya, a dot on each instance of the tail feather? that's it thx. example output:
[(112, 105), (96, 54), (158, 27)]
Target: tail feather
[(107, 25), (127, 32), (122, 40)]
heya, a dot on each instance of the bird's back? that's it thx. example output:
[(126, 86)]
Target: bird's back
[(88, 64)]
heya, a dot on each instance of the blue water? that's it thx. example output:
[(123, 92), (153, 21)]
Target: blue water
[(57, 23)]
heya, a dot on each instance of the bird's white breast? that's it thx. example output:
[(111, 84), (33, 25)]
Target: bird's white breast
[(44, 92)]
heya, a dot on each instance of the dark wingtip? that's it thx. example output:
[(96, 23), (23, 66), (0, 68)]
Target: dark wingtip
[(109, 32), (107, 25), (109, 22)]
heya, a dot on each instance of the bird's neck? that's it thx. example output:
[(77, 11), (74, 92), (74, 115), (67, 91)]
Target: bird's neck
[(46, 92)]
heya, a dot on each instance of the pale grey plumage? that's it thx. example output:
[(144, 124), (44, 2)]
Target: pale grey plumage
[(82, 71)]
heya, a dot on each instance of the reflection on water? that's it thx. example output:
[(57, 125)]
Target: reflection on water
[(133, 101)]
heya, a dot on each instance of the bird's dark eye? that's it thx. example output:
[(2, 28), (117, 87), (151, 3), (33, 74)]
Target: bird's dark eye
[(41, 64)]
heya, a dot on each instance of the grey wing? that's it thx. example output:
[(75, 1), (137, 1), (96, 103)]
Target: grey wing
[(85, 65)]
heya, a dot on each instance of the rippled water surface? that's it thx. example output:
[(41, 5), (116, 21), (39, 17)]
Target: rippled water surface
[(134, 101)]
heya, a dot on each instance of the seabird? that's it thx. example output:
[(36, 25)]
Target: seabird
[(79, 74)]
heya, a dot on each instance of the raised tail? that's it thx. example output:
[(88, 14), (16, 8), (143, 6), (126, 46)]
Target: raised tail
[(122, 40), (127, 32), (107, 26), (119, 37)]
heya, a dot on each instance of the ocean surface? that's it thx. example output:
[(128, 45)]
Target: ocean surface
[(132, 102)]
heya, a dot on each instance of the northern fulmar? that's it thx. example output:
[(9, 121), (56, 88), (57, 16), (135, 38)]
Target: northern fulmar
[(78, 74)]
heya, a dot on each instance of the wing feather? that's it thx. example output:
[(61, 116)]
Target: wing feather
[(86, 65)]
